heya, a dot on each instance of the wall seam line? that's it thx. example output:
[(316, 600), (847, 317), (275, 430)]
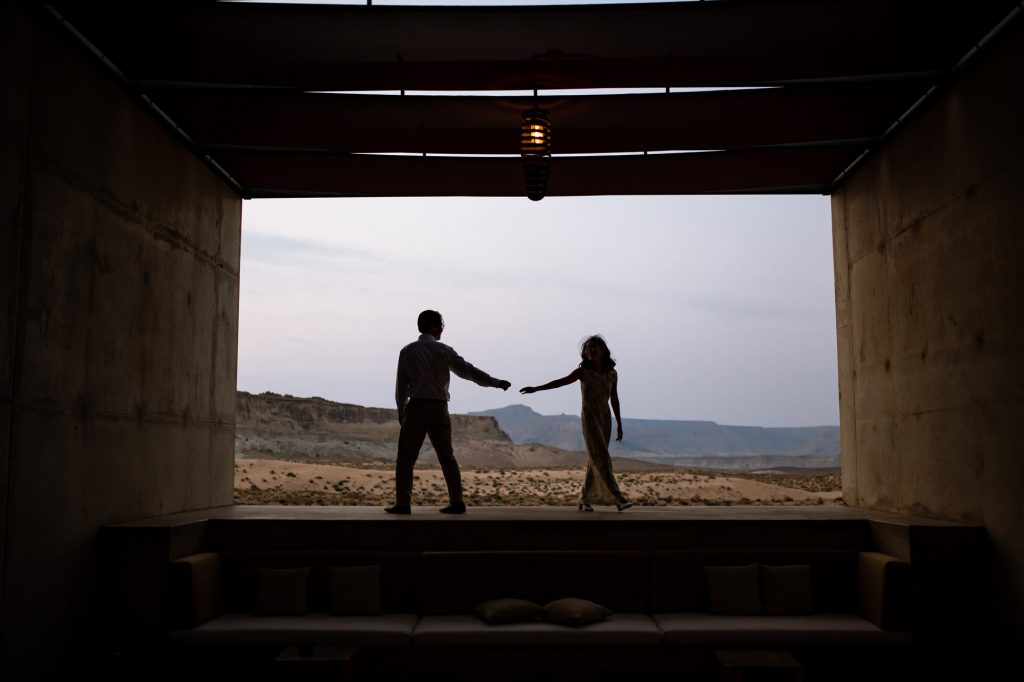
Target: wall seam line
[(953, 200), (156, 229)]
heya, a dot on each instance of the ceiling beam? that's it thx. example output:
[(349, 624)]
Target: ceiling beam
[(304, 174), (582, 124), (686, 44)]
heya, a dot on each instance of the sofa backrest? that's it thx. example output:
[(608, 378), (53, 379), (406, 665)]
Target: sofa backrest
[(678, 582), (398, 577), (455, 582)]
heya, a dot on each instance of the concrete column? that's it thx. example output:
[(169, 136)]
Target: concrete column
[(119, 258), (15, 45), (929, 250)]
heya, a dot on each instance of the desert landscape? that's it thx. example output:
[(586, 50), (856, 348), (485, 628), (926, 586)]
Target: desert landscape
[(268, 481), (310, 451)]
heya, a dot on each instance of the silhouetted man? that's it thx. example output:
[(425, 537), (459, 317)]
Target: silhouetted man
[(421, 393)]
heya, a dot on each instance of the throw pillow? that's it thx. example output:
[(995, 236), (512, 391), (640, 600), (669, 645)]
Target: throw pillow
[(572, 611), (733, 590), (508, 610), (355, 590), (786, 590), (281, 591)]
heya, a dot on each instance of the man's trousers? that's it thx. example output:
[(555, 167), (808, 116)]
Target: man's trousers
[(424, 417)]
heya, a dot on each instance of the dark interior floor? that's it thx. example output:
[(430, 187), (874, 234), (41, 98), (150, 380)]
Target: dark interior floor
[(515, 513)]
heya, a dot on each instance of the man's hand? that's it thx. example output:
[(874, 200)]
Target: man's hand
[(619, 435), (401, 416), (504, 385)]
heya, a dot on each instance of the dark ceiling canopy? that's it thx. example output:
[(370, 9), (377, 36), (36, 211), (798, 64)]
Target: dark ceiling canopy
[(253, 88)]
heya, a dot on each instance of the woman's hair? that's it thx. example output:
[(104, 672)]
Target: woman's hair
[(607, 362)]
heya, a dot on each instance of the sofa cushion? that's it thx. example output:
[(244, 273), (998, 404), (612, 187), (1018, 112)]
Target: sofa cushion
[(281, 592), (508, 610), (195, 589), (355, 590), (733, 590), (618, 629), (883, 590), (399, 576), (572, 611), (455, 582), (786, 590), (678, 583), (819, 628), (392, 629)]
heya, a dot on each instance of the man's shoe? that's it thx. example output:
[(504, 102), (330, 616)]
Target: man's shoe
[(459, 508), (398, 509)]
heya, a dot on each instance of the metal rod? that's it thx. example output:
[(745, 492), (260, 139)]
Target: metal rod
[(942, 81), (147, 102)]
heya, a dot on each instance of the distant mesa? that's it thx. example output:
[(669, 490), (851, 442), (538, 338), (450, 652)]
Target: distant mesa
[(285, 427), (681, 442), (271, 424), (279, 426)]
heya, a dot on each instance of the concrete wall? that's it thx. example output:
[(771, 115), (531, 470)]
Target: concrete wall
[(119, 257), (929, 253)]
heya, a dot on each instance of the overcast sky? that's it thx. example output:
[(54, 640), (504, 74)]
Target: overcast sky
[(716, 308)]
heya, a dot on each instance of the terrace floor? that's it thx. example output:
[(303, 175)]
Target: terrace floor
[(315, 528), (561, 514)]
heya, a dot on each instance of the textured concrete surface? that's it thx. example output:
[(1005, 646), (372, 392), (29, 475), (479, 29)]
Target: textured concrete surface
[(14, 121), (929, 249), (119, 258)]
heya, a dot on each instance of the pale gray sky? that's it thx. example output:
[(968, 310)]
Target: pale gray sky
[(717, 308)]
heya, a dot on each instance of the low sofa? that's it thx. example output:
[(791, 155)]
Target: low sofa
[(668, 609)]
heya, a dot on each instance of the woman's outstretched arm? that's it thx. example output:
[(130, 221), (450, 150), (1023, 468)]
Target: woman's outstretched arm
[(615, 406), (557, 383)]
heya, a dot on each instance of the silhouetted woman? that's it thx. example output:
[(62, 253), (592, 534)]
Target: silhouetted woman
[(598, 380)]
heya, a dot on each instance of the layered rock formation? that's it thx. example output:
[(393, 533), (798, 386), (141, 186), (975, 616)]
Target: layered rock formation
[(284, 427)]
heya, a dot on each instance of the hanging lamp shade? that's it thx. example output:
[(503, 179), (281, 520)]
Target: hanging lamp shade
[(535, 134), (535, 148)]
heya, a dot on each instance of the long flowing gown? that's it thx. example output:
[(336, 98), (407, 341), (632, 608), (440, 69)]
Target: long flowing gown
[(599, 486)]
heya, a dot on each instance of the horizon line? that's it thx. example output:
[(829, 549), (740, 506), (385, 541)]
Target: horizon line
[(562, 414)]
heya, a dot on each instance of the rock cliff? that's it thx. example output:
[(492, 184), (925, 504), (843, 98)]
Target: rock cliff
[(269, 424)]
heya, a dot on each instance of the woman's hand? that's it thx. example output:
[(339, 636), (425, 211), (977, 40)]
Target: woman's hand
[(619, 435), (527, 389)]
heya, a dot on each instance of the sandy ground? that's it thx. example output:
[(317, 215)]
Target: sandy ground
[(267, 481)]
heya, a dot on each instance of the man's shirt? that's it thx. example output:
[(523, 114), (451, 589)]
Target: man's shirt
[(424, 371)]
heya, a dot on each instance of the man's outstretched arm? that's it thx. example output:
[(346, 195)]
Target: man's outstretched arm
[(463, 369)]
